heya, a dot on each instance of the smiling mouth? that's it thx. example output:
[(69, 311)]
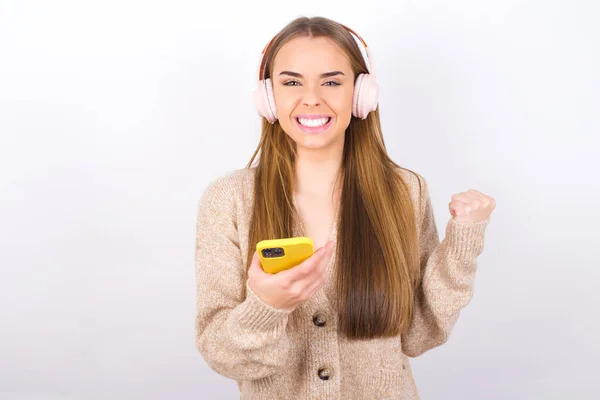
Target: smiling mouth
[(313, 122)]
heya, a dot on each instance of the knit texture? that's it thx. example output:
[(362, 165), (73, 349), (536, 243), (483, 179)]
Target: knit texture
[(277, 354)]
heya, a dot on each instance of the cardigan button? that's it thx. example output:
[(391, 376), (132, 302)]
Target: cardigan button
[(319, 319), (324, 373)]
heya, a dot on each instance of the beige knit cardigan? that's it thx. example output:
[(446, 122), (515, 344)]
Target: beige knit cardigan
[(276, 354)]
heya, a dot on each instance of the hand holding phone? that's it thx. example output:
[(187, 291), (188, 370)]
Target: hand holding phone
[(293, 284)]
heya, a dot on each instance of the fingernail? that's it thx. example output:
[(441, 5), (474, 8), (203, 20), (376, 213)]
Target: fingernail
[(321, 251)]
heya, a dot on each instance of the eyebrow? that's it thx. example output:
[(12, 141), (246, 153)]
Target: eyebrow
[(323, 75)]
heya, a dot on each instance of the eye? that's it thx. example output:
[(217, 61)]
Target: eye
[(291, 82), (332, 83)]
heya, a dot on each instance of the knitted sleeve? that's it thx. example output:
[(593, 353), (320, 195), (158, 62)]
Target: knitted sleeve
[(240, 338), (448, 275)]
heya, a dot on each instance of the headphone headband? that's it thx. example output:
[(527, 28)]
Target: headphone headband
[(262, 59)]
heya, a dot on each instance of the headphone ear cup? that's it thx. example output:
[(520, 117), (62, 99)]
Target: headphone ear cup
[(366, 96), (356, 96), (270, 101), (264, 101)]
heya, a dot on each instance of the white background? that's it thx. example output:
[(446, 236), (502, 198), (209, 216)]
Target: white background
[(115, 115)]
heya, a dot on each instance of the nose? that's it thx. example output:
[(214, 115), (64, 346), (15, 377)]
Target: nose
[(311, 96)]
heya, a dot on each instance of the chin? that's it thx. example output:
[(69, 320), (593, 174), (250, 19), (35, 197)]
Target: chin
[(316, 143), (312, 143)]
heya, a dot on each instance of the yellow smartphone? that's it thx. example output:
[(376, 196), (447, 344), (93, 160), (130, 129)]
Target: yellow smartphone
[(280, 254)]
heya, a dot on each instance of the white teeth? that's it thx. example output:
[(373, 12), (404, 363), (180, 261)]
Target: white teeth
[(312, 123)]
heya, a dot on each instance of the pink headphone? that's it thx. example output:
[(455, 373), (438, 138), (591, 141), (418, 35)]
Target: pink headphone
[(366, 90)]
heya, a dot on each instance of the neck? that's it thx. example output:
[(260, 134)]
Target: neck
[(317, 171)]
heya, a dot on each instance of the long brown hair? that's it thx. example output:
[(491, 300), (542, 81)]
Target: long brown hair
[(377, 245)]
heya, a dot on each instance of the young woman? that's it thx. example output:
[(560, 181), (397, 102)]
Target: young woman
[(381, 287)]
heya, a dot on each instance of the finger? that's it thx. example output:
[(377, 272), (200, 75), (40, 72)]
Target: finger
[(329, 252), (476, 192), (458, 208), (315, 281), (306, 271), (472, 199), (464, 197), (321, 276), (476, 197), (303, 269), (255, 265), (322, 264), (483, 199), (314, 266)]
